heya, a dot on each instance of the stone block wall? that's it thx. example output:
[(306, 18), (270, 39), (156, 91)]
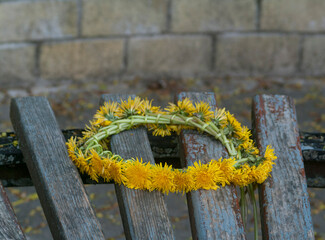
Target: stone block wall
[(103, 39)]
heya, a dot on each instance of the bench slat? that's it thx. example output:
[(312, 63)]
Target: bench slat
[(56, 179), (284, 200), (9, 226), (213, 214), (144, 214)]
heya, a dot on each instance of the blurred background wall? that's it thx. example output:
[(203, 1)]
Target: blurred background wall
[(78, 40)]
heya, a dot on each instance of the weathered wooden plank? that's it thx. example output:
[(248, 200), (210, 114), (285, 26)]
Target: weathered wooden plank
[(144, 214), (284, 202), (56, 179), (9, 226), (214, 214)]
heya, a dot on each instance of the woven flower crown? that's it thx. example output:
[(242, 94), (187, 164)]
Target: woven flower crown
[(244, 166)]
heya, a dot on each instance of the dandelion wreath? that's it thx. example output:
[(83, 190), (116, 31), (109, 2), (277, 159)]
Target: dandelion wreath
[(244, 166)]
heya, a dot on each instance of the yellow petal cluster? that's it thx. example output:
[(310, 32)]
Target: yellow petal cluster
[(203, 111), (129, 107), (184, 106), (136, 174), (106, 114)]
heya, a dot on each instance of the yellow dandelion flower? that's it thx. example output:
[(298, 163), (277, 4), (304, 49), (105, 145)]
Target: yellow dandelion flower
[(146, 107), (226, 170), (267, 165), (89, 131), (253, 174), (86, 165), (264, 171), (242, 176), (237, 129), (203, 111), (203, 176), (178, 128), (245, 134), (72, 146), (184, 107), (72, 143), (183, 181), (137, 175), (106, 114), (254, 150), (129, 107), (92, 174), (269, 153), (220, 117), (219, 177), (96, 162), (260, 173), (115, 170), (108, 109), (249, 147), (105, 174), (161, 129), (82, 162), (162, 178)]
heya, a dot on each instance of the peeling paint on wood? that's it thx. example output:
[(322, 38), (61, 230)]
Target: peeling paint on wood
[(284, 200), (213, 214)]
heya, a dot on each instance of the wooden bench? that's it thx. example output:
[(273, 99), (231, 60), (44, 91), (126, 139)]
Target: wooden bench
[(285, 208)]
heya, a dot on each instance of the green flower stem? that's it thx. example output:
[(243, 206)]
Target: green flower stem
[(233, 148), (252, 196), (242, 160), (229, 145), (212, 130), (110, 127), (196, 122), (173, 119), (134, 120), (239, 155), (216, 129), (209, 127), (154, 118), (232, 151), (179, 119), (122, 125), (106, 133), (221, 136), (190, 121), (150, 119)]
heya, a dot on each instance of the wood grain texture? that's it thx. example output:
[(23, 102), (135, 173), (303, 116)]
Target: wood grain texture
[(9, 226), (56, 179), (213, 214), (144, 214), (284, 200)]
